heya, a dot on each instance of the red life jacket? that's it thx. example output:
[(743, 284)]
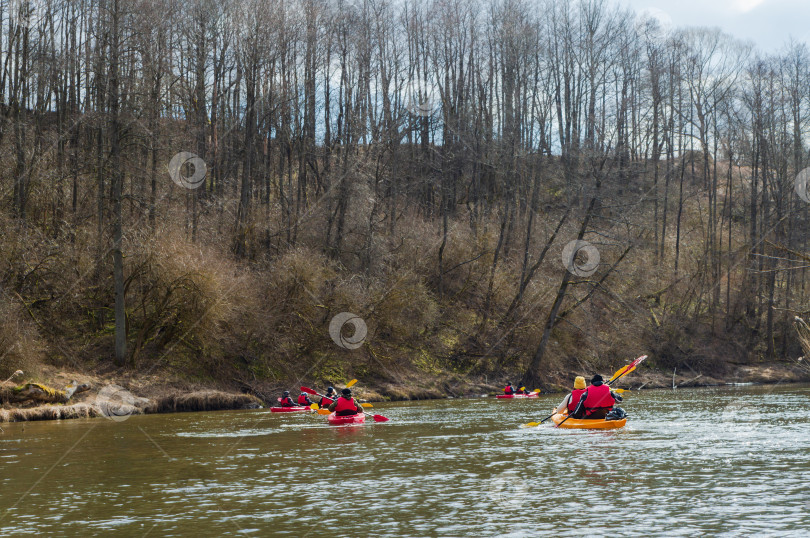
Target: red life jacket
[(287, 402), (303, 399), (508, 389), (598, 398), (576, 394), (345, 404), (326, 402)]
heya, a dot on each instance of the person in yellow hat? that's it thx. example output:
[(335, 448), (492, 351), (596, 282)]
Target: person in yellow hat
[(570, 402)]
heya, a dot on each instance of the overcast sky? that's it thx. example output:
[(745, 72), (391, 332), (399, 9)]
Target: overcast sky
[(768, 23)]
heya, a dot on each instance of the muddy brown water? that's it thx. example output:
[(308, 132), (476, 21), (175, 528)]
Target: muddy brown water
[(724, 462)]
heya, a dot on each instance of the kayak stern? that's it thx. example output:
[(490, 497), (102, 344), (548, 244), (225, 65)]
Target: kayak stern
[(586, 424)]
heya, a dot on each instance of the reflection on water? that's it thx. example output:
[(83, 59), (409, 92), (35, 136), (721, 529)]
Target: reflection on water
[(732, 461)]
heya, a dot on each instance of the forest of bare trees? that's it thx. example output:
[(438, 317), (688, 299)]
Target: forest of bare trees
[(419, 162)]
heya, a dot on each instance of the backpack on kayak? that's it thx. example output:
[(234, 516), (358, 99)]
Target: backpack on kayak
[(617, 413)]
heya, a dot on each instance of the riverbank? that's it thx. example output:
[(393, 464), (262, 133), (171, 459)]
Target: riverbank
[(124, 395)]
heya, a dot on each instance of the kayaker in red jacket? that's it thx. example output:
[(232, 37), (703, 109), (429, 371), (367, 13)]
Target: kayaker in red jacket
[(346, 405), (509, 389), (329, 397), (569, 403), (285, 400), (597, 401), (303, 399)]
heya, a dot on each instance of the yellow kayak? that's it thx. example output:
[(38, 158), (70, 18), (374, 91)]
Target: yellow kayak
[(587, 424)]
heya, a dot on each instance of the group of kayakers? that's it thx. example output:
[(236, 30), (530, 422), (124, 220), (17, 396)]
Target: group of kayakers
[(594, 402), (509, 390), (343, 405)]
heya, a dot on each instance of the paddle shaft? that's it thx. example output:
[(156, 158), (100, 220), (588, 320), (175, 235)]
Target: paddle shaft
[(548, 417), (314, 393)]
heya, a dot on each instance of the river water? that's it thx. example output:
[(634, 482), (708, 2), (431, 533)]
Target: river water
[(724, 462)]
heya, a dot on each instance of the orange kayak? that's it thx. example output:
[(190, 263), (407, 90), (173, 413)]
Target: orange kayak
[(587, 424)]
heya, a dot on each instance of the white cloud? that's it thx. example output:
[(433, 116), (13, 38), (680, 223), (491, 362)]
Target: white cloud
[(768, 23), (747, 5)]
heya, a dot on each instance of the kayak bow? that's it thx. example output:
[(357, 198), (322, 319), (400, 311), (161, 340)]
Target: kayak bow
[(532, 395)]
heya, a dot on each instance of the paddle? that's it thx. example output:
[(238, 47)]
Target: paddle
[(621, 372), (533, 424), (313, 392), (310, 391)]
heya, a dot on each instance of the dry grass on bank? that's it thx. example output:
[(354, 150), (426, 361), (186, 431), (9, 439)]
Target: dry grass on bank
[(208, 400), (50, 412)]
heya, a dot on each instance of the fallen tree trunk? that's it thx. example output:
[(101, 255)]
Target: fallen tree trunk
[(39, 393)]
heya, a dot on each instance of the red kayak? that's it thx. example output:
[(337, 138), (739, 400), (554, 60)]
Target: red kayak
[(532, 395), (288, 409), (335, 420)]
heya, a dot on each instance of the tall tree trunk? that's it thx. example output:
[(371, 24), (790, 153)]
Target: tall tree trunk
[(117, 186)]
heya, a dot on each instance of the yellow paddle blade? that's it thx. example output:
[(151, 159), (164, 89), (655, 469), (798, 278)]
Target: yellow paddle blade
[(522, 388), (616, 373), (531, 424), (314, 407), (619, 391), (350, 383), (536, 390), (324, 412), (620, 372), (366, 405)]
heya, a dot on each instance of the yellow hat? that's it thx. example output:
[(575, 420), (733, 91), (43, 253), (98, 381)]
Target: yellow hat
[(579, 382)]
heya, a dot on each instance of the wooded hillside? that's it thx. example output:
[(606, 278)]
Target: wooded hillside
[(196, 188)]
